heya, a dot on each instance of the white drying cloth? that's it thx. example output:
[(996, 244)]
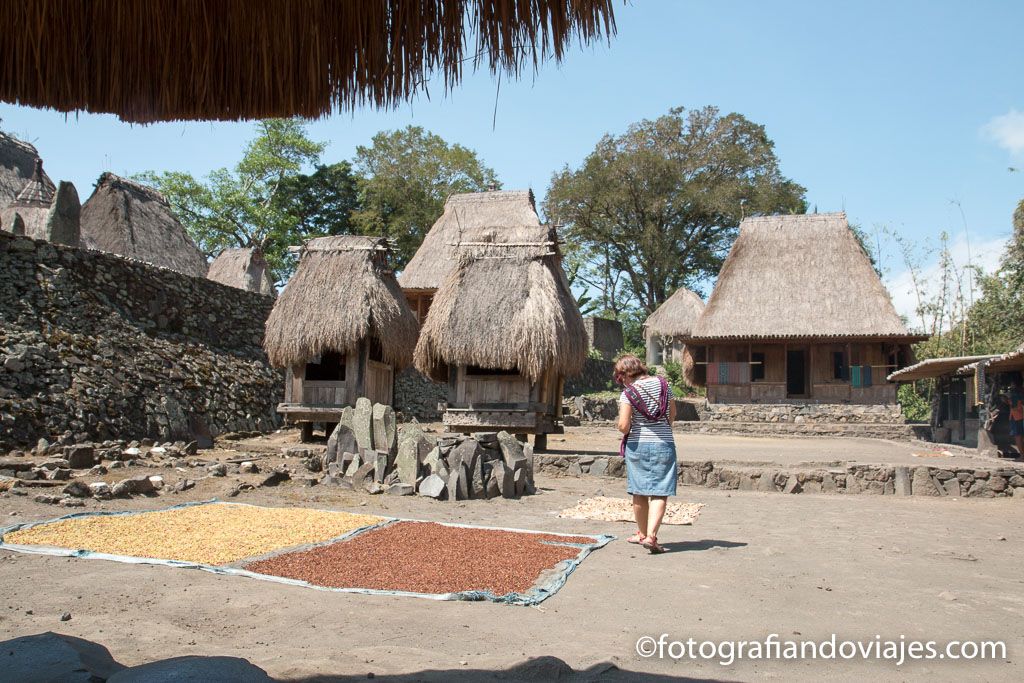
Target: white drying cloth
[(621, 510)]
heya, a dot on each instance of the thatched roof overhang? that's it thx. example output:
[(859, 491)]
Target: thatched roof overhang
[(936, 367), (342, 293), (164, 60)]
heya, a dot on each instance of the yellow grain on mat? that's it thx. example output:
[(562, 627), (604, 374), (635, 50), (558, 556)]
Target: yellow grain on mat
[(216, 533), (621, 510)]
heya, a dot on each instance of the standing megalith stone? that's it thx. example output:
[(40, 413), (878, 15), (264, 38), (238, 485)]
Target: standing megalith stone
[(63, 221), (342, 440), (408, 462), (384, 427), (362, 423)]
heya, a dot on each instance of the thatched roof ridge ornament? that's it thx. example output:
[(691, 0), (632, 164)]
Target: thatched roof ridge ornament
[(799, 277), (238, 59), (342, 292), (17, 167)]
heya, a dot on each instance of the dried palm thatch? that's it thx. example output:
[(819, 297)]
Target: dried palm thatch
[(342, 293), (244, 269), (801, 276), (675, 317), (127, 218), (237, 59), (469, 213), (506, 304), (17, 166), (32, 203)]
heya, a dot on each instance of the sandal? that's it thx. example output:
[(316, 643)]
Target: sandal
[(652, 545), (636, 539)]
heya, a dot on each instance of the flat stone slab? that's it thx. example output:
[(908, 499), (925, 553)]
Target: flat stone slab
[(194, 668)]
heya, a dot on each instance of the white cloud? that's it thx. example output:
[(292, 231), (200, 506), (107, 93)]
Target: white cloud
[(900, 284), (1007, 131)]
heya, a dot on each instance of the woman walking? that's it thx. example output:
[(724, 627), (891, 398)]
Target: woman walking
[(646, 413)]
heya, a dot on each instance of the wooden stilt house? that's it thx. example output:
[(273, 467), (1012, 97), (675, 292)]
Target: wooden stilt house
[(341, 328), (798, 315), (504, 331)]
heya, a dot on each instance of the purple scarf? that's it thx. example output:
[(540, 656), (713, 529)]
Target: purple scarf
[(640, 405)]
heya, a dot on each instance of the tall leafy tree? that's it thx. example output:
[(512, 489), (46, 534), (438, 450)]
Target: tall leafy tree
[(244, 206), (658, 207), (406, 177)]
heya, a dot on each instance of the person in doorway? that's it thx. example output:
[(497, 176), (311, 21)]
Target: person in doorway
[(646, 413), (1015, 399)]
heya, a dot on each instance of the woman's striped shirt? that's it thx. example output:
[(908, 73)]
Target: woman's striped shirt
[(642, 429)]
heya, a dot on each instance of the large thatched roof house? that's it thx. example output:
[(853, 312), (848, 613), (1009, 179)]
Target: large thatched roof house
[(18, 165), (31, 205), (498, 210), (504, 331), (665, 328), (798, 314), (127, 218), (341, 328), (244, 269)]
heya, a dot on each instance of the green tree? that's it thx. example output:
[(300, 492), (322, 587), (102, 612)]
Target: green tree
[(406, 177), (658, 207), (241, 207)]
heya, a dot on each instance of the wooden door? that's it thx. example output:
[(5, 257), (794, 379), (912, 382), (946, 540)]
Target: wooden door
[(380, 382)]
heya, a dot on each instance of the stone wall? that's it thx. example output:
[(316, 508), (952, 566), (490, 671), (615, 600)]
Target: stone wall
[(604, 335), (994, 481), (596, 376), (94, 346), (802, 413), (416, 396)]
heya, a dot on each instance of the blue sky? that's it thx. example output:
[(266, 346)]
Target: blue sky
[(889, 110)]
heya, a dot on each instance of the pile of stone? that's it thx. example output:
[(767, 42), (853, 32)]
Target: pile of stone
[(367, 451)]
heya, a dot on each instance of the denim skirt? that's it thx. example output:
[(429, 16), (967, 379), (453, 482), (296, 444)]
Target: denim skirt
[(651, 469)]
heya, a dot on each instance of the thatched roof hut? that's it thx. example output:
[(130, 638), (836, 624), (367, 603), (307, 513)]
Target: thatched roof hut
[(505, 304), (342, 293), (127, 218), (32, 203), (799, 276), (464, 214), (244, 269), (675, 317), (18, 165), (238, 59)]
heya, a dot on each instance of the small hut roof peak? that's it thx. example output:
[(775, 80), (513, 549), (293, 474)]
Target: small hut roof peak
[(675, 317), (495, 216), (18, 167), (798, 276), (117, 182), (38, 191)]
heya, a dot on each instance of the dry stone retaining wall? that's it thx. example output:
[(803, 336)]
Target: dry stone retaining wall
[(833, 413), (94, 346), (982, 482), (417, 396)]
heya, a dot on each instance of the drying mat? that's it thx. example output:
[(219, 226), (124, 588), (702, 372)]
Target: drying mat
[(567, 550), (207, 533), (607, 509), (443, 560)]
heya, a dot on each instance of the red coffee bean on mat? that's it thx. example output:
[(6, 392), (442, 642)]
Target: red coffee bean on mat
[(424, 557)]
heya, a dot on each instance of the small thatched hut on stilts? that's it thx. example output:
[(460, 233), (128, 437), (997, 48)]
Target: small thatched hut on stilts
[(665, 328), (130, 219), (341, 328), (504, 331), (244, 269)]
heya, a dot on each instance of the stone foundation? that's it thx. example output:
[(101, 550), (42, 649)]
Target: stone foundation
[(417, 396), (832, 413), (981, 482)]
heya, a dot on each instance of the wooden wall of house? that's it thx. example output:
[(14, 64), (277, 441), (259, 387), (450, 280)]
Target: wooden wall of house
[(363, 377), (481, 390), (824, 386)]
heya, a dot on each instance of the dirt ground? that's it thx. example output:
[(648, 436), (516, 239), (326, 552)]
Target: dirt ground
[(803, 567)]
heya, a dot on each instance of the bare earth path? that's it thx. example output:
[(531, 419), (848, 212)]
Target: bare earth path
[(801, 566)]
